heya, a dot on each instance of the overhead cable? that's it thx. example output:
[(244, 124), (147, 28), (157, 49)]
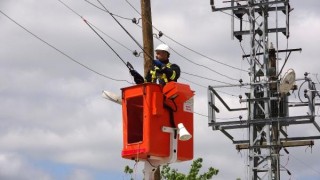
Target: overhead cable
[(186, 46), (193, 82), (61, 52), (200, 114), (70, 8), (196, 63), (104, 41), (129, 66), (206, 67), (110, 37), (107, 11), (75, 12), (133, 7), (200, 55), (233, 16), (206, 78), (206, 87), (204, 55), (306, 164)]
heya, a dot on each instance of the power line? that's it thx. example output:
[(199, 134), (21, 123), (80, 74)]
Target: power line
[(122, 17), (186, 46), (110, 37), (75, 12), (206, 87), (61, 52), (133, 7), (206, 67), (115, 19), (128, 65), (197, 64), (314, 170), (105, 42), (233, 16), (206, 78), (194, 82), (70, 8), (107, 11), (204, 55), (200, 114)]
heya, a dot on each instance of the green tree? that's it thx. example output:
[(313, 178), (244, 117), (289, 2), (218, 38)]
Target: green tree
[(129, 171), (172, 174)]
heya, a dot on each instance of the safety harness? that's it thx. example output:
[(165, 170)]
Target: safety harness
[(161, 77)]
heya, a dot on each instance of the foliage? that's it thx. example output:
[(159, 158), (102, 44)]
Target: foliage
[(128, 170), (172, 174)]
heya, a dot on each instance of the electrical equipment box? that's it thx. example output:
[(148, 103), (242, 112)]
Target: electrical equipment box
[(146, 109)]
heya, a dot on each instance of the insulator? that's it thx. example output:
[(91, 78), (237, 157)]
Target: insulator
[(288, 172), (305, 93), (135, 53), (134, 20)]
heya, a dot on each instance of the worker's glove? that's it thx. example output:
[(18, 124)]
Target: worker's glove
[(158, 71), (158, 63), (138, 79), (164, 69)]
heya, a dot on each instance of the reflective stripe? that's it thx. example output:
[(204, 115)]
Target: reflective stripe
[(174, 72), (164, 77), (173, 75), (153, 74)]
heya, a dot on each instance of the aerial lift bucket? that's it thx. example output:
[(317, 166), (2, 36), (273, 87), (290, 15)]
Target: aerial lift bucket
[(148, 108)]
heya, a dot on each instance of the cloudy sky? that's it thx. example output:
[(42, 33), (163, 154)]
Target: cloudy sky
[(54, 122)]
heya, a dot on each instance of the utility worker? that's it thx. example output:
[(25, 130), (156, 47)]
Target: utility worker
[(162, 71)]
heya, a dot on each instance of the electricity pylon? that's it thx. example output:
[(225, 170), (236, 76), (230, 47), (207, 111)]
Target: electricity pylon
[(268, 107)]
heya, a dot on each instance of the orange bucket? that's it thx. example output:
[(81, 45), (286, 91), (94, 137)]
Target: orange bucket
[(144, 115)]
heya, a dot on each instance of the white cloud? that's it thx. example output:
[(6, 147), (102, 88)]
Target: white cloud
[(52, 109), (80, 174), (14, 167)]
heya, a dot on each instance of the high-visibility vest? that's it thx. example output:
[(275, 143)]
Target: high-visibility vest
[(162, 78)]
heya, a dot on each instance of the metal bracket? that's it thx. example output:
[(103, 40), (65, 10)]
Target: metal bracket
[(151, 164)]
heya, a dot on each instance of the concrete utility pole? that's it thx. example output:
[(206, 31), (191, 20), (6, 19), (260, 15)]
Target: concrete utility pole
[(148, 46), (268, 112)]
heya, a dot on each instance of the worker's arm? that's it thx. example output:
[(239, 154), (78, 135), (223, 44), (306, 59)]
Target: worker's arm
[(172, 72), (138, 79)]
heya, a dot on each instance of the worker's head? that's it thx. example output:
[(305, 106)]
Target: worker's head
[(162, 52)]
